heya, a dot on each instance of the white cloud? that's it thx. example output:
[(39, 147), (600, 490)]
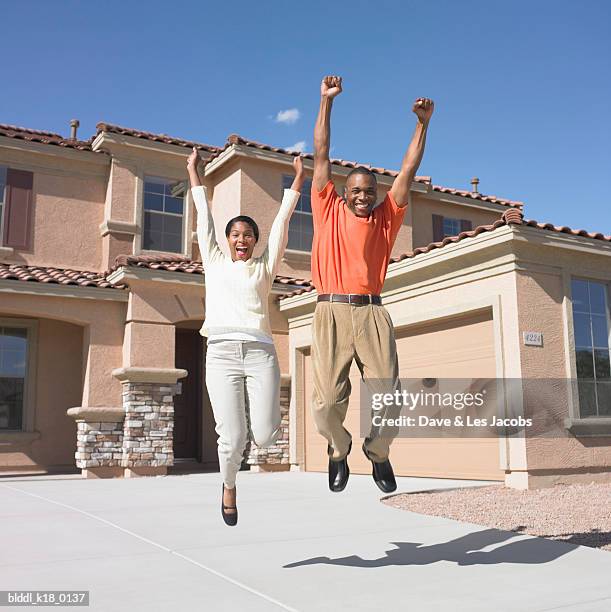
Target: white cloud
[(289, 116), (298, 147)]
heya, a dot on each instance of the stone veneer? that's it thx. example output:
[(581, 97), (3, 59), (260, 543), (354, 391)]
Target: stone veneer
[(149, 424), (135, 438), (99, 444), (277, 456)]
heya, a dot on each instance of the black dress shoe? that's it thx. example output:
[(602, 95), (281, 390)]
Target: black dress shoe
[(382, 474), (230, 518), (338, 471)]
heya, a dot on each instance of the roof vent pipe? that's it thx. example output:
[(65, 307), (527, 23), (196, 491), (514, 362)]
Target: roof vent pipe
[(474, 184), (74, 123)]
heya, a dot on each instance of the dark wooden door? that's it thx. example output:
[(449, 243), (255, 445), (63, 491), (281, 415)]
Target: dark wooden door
[(188, 405), (209, 456)]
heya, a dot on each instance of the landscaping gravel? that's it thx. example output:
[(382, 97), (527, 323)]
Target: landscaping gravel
[(579, 514)]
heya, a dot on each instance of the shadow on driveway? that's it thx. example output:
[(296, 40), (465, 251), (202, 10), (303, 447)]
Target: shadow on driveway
[(465, 550)]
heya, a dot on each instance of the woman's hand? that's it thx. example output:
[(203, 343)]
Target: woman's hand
[(299, 173), (192, 163)]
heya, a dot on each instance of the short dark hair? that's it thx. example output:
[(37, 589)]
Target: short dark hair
[(243, 219), (362, 170)]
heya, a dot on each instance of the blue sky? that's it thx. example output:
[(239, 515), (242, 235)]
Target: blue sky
[(522, 89)]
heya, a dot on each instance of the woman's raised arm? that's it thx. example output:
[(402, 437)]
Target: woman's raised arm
[(206, 238)]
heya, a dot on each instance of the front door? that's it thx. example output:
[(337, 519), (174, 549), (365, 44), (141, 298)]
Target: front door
[(194, 434), (188, 405)]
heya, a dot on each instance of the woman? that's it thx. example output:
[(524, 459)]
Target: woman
[(241, 363)]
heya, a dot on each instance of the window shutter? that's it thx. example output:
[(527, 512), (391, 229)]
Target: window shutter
[(18, 214), (437, 228), (465, 225)]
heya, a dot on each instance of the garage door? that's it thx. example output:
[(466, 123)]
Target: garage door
[(461, 347)]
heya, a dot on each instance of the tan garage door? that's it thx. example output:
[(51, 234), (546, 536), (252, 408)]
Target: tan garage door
[(457, 348)]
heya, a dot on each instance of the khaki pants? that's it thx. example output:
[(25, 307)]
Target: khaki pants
[(341, 333)]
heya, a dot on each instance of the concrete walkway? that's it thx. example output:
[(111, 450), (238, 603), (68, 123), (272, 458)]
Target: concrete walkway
[(160, 544)]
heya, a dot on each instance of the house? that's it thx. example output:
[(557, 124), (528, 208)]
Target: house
[(102, 298)]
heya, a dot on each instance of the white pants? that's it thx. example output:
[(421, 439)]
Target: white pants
[(241, 374)]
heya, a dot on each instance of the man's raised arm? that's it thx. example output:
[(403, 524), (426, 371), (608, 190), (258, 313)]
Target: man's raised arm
[(330, 87), (423, 107)]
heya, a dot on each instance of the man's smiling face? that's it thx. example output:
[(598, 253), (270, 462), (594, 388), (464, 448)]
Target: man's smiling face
[(361, 194)]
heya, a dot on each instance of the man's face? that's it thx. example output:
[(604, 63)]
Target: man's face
[(361, 194)]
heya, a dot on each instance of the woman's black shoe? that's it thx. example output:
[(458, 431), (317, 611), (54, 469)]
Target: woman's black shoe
[(230, 518)]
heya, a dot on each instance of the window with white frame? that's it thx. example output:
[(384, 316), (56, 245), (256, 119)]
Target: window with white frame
[(301, 226), (163, 209), (592, 347), (2, 197), (13, 372)]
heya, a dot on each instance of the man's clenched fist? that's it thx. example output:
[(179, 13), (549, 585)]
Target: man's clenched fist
[(423, 107), (331, 86)]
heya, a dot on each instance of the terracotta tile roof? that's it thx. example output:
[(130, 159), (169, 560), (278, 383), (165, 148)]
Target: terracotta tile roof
[(117, 129), (513, 216), (20, 133), (235, 139), (178, 263), (171, 263), (57, 276)]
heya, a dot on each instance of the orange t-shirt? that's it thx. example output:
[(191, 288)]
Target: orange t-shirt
[(350, 254)]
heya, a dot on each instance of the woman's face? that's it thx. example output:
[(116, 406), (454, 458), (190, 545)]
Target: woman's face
[(241, 241)]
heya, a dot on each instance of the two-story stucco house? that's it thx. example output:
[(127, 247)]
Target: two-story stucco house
[(102, 299)]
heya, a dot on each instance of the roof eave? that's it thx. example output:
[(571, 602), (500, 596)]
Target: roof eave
[(106, 140)]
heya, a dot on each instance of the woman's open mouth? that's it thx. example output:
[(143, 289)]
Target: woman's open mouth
[(241, 252)]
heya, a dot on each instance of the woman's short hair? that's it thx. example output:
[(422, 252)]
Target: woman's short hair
[(243, 219)]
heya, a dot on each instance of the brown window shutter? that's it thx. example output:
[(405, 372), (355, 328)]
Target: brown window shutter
[(465, 225), (18, 214), (437, 228)]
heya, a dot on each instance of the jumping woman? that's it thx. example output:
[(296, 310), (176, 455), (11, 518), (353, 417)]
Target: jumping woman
[(241, 363)]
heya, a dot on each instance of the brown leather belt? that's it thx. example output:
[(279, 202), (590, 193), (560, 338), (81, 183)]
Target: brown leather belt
[(357, 299)]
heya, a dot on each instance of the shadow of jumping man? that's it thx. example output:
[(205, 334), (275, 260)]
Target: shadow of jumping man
[(465, 550)]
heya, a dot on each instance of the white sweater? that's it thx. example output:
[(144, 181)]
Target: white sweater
[(237, 292)]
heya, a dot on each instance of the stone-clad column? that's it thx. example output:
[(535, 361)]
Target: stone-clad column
[(276, 457), (99, 441), (148, 402)]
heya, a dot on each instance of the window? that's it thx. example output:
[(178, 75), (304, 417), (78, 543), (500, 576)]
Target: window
[(451, 227), (13, 359), (448, 226), (2, 199), (591, 326), (163, 214), (301, 227)]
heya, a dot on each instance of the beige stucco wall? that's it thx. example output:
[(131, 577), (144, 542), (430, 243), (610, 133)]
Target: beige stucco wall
[(120, 202), (68, 206), (225, 193), (544, 306)]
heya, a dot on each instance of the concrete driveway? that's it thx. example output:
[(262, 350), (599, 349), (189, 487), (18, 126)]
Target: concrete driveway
[(160, 544)]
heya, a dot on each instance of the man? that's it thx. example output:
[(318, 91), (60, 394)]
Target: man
[(353, 239)]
